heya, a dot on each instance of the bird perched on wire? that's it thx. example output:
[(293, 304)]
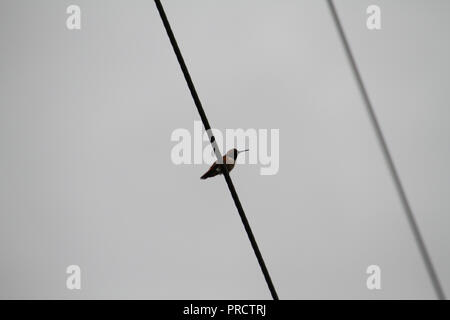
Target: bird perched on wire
[(228, 159)]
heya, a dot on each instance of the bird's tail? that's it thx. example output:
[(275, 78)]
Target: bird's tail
[(212, 172), (205, 176)]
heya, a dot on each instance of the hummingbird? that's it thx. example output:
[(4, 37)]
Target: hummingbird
[(228, 159)]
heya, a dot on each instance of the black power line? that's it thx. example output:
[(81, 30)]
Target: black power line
[(225, 172), (388, 158)]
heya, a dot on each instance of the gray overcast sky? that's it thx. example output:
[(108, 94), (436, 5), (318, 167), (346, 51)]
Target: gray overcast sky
[(86, 176)]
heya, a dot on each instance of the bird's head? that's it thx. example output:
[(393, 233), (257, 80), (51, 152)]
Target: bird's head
[(233, 153)]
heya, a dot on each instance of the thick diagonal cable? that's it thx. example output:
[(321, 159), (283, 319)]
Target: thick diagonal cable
[(388, 158), (226, 174)]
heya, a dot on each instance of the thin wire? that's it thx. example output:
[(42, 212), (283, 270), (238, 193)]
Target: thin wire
[(388, 158), (226, 174)]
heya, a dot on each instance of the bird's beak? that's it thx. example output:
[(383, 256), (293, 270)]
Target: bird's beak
[(243, 151)]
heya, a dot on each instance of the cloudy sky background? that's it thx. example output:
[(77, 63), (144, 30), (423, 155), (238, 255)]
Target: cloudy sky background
[(86, 176)]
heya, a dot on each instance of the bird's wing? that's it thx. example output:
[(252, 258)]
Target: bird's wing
[(213, 171)]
